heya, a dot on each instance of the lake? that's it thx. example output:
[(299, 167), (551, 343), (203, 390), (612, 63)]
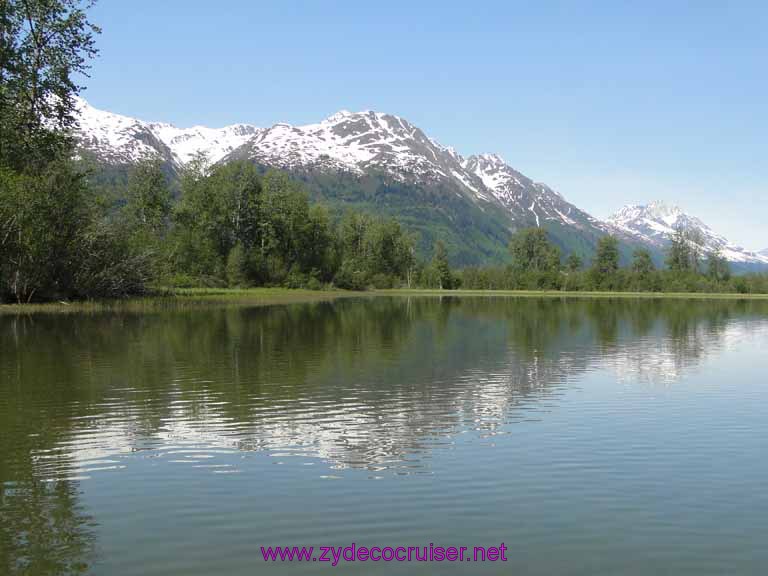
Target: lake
[(590, 436)]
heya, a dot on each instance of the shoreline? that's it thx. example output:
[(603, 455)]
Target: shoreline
[(190, 298), (574, 294)]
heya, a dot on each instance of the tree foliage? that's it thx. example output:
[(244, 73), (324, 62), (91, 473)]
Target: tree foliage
[(56, 240), (233, 226), (532, 251), (44, 45)]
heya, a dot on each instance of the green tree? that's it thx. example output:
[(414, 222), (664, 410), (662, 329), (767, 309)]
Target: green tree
[(442, 268), (695, 246), (237, 267), (574, 263), (48, 220), (605, 266), (642, 263), (55, 244), (532, 251), (643, 272), (718, 268), (684, 253), (44, 46), (148, 205)]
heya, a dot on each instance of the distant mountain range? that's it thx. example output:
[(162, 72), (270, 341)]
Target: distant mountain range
[(656, 223), (382, 163)]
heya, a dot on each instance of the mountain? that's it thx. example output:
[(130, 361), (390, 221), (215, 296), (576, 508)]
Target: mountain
[(120, 140), (655, 224), (371, 161), (383, 164)]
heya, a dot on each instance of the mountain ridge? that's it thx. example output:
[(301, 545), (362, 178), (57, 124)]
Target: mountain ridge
[(383, 162)]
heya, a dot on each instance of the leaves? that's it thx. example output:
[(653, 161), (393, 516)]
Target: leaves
[(44, 45)]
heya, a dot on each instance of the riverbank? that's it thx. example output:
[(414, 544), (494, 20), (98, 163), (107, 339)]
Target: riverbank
[(565, 294), (183, 298), (201, 297)]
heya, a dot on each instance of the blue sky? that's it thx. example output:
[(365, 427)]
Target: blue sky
[(608, 102)]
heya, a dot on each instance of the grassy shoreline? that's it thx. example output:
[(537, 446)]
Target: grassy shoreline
[(184, 298), (563, 294), (188, 298)]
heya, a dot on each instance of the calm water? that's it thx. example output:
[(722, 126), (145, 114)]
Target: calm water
[(590, 436)]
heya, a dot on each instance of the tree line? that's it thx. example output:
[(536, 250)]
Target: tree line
[(233, 227), (537, 264)]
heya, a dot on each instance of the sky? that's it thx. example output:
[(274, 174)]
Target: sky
[(609, 103)]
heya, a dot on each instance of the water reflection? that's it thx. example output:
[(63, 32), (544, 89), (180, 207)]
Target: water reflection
[(359, 383), (374, 384)]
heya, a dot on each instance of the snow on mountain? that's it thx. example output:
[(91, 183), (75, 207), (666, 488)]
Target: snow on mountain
[(354, 142), (369, 141), (657, 222), (118, 139), (520, 194), (359, 142), (215, 143)]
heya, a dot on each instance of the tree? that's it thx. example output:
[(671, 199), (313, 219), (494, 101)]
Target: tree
[(718, 268), (237, 267), (574, 263), (405, 255), (55, 244), (373, 249), (239, 188), (148, 204), (678, 257), (695, 241), (606, 263), (41, 220), (54, 237), (442, 268), (44, 46), (642, 263), (220, 207), (532, 251), (684, 254), (317, 243), (643, 272)]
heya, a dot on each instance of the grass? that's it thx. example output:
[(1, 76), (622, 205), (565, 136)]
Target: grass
[(561, 294), (184, 298)]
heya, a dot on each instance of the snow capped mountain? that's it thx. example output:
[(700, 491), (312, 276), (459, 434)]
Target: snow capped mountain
[(480, 191), (118, 139), (215, 143), (656, 223), (358, 143), (365, 142)]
